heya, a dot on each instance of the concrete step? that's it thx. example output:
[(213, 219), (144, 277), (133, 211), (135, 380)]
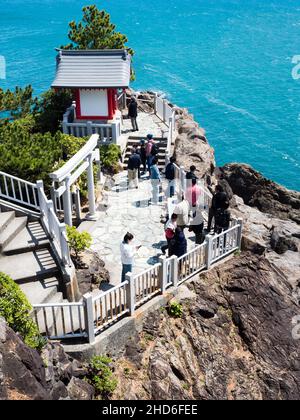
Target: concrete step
[(31, 238), (5, 219), (40, 291), (29, 266), (11, 231)]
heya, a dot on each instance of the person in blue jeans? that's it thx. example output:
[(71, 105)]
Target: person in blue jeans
[(155, 180), (128, 251)]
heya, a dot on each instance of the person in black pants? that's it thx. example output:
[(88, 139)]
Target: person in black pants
[(170, 175), (143, 155), (133, 113), (219, 201)]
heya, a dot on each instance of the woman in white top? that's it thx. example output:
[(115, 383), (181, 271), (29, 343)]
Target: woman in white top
[(128, 252)]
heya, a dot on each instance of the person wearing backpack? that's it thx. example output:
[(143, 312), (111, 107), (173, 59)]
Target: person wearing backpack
[(170, 176), (149, 155), (143, 155)]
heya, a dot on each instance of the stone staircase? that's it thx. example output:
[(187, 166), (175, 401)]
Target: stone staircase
[(26, 256), (135, 142)]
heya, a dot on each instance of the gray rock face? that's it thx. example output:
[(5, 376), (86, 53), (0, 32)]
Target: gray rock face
[(192, 148), (262, 193), (233, 342), (27, 375)]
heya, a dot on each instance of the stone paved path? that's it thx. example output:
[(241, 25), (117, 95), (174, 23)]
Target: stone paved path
[(129, 211)]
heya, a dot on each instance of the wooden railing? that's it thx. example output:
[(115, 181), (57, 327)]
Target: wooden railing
[(60, 321), (88, 318), (56, 230), (147, 285), (110, 306), (18, 191)]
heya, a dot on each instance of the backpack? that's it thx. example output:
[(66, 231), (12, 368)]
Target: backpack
[(222, 218), (169, 233), (154, 150)]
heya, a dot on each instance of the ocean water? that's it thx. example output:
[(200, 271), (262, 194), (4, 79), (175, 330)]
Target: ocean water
[(228, 61)]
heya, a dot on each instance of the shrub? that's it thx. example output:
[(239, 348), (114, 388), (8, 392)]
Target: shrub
[(15, 309), (101, 376), (175, 310), (78, 241), (110, 156)]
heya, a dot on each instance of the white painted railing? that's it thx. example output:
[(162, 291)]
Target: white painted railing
[(164, 110), (108, 133), (110, 306), (147, 285), (88, 318), (60, 321), (191, 263), (18, 191), (56, 230)]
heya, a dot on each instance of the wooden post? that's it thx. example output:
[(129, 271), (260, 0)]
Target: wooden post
[(208, 251), (240, 233), (89, 128), (67, 203), (163, 274), (130, 293), (174, 270), (89, 317), (91, 189)]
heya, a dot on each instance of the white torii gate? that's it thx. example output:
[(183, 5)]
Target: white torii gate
[(66, 176)]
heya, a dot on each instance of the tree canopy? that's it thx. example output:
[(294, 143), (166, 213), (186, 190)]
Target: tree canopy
[(96, 32), (16, 104)]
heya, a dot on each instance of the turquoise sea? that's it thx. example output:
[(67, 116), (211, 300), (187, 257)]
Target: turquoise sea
[(228, 61)]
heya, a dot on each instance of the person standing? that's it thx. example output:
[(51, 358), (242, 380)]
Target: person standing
[(170, 229), (170, 176), (133, 113), (218, 202), (149, 147), (182, 210), (155, 180), (143, 155), (128, 251), (192, 173), (134, 163), (178, 245)]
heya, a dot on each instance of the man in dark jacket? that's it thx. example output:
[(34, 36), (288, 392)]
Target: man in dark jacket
[(219, 201), (134, 163), (133, 113), (143, 155), (170, 176)]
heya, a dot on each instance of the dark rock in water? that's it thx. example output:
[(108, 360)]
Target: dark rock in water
[(262, 193)]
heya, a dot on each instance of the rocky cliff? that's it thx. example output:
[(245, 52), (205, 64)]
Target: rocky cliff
[(27, 375), (235, 338)]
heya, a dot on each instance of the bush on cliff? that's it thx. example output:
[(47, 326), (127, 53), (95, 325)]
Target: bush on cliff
[(15, 309), (101, 377), (110, 157)]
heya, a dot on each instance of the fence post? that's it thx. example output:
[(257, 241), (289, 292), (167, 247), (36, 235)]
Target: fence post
[(114, 132), (130, 293), (163, 274), (240, 233), (164, 110), (40, 189), (174, 270), (89, 317), (183, 179), (50, 206), (208, 251), (89, 128), (155, 103)]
